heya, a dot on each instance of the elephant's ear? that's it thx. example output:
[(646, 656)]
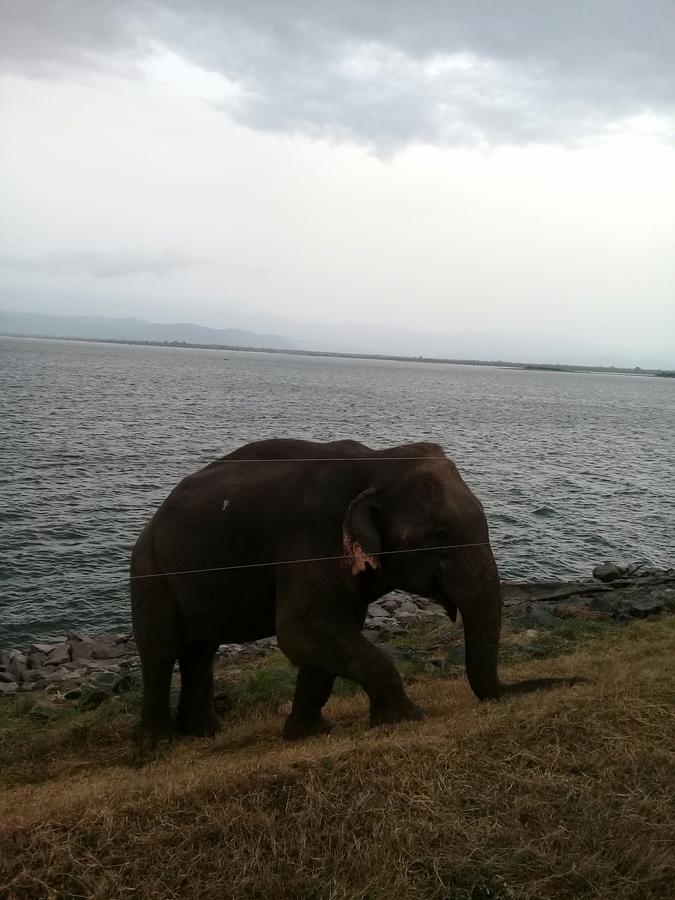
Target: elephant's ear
[(361, 534)]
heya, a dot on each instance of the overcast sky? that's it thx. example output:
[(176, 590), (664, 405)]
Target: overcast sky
[(470, 178)]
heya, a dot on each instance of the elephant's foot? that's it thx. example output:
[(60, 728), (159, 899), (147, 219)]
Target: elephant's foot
[(150, 732), (197, 723), (391, 713), (296, 728)]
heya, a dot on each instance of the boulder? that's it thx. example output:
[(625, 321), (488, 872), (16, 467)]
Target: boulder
[(92, 697), (30, 676), (95, 649), (37, 660), (8, 687), (642, 607), (407, 605), (13, 662), (390, 605), (44, 648), (126, 682), (59, 655), (56, 676), (101, 667), (534, 616), (607, 571)]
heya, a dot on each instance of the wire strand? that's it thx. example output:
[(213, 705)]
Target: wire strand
[(311, 559), (304, 459)]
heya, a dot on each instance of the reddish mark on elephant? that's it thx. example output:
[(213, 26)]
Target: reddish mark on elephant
[(360, 560)]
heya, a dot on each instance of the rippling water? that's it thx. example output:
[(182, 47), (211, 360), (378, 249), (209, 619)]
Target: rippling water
[(571, 468)]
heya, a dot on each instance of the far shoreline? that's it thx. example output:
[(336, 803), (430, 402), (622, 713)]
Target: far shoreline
[(334, 354)]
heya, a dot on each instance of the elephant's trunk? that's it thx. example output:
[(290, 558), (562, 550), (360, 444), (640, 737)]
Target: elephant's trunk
[(471, 581)]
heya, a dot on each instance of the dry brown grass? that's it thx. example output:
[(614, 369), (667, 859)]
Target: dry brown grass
[(565, 794)]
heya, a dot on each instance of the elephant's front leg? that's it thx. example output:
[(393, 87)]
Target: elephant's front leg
[(340, 649), (370, 667), (312, 689)]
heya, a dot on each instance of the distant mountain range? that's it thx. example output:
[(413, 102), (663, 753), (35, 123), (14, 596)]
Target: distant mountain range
[(347, 338), (102, 328)]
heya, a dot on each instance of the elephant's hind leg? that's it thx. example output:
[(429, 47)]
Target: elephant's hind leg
[(155, 724), (312, 689), (196, 714), (156, 629)]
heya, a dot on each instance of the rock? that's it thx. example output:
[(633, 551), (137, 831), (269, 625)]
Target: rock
[(389, 625), (12, 658), (74, 636), (30, 676), (13, 663), (408, 606), (37, 660), (516, 592), (8, 687), (642, 607), (94, 649), (389, 605), (92, 697), (6, 677), (101, 665), (44, 648), (56, 676), (125, 683), (59, 654), (74, 693), (607, 571), (37, 674), (533, 616)]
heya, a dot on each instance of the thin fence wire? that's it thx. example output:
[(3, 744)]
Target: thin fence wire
[(311, 559), (336, 459)]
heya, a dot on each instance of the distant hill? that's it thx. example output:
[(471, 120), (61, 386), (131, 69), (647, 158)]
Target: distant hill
[(103, 328)]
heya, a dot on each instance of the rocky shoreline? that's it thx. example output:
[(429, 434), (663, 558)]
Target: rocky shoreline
[(90, 668)]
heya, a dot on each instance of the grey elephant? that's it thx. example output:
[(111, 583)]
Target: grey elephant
[(296, 538)]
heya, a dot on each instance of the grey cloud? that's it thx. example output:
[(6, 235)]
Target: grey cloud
[(39, 38), (100, 265), (391, 73)]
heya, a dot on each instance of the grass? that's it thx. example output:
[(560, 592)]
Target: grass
[(564, 794)]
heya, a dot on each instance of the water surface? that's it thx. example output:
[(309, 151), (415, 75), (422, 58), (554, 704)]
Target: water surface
[(571, 468)]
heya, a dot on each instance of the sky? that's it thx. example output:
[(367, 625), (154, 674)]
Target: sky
[(472, 179)]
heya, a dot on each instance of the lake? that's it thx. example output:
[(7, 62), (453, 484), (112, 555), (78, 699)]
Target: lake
[(571, 468)]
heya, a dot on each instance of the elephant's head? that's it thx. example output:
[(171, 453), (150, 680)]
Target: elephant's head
[(426, 533)]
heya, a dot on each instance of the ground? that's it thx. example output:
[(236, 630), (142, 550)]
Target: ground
[(564, 794)]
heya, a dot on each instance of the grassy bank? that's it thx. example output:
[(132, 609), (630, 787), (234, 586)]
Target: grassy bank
[(553, 795)]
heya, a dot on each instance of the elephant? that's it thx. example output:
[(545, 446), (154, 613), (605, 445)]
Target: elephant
[(295, 538)]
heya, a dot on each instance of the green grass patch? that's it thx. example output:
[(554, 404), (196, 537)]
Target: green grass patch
[(559, 639)]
